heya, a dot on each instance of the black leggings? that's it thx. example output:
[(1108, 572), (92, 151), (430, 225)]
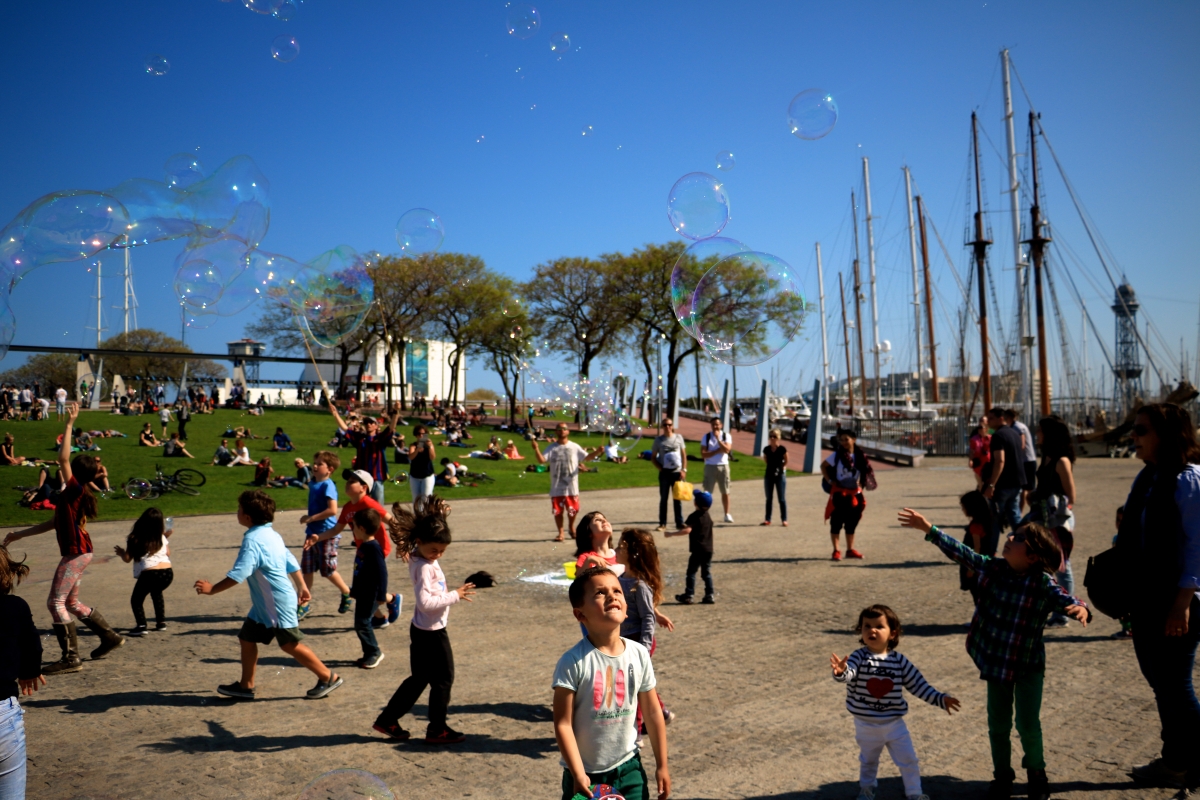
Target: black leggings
[(666, 482), (432, 663), (151, 582)]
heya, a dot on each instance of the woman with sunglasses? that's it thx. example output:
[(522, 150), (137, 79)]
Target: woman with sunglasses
[(1159, 539)]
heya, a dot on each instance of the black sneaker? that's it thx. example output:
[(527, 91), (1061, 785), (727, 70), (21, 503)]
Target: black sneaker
[(324, 687), (344, 606), (1038, 785), (137, 631), (162, 626), (369, 663), (394, 730), (447, 736), (683, 599), (1000, 790), (236, 690), (1157, 773), (708, 600)]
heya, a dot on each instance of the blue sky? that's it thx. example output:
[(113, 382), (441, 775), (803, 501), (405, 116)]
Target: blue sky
[(393, 105)]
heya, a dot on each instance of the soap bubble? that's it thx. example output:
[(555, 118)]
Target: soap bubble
[(287, 9), (157, 65), (697, 206), (588, 130), (747, 308), (522, 21), (347, 784), (198, 318), (263, 6), (812, 114), (560, 44), (693, 263), (183, 169), (418, 231), (8, 324), (513, 307), (335, 294), (515, 333), (285, 48), (199, 284), (725, 161), (64, 226)]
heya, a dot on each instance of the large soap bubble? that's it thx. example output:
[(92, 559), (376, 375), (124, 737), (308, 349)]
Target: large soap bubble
[(560, 44), (8, 324), (347, 784), (285, 48), (157, 65), (697, 206), (183, 169), (725, 161), (747, 308), (263, 6), (336, 292), (199, 284), (522, 21), (64, 226), (418, 231), (287, 9), (693, 263), (812, 114)]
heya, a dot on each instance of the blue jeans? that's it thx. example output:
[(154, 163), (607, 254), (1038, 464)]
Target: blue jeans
[(363, 611), (1167, 663), (377, 492), (776, 485), (1006, 507), (12, 750), (1066, 579), (702, 562)]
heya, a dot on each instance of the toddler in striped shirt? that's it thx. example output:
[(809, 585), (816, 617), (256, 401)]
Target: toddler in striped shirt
[(874, 675)]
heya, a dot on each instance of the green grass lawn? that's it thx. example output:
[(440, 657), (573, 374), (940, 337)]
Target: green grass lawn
[(310, 430)]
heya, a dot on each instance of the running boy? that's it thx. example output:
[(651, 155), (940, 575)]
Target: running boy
[(698, 528), (599, 685), (1016, 593), (273, 592), (370, 584), (874, 675), (322, 516)]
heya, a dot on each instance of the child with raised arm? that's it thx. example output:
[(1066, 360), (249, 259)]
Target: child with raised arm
[(1016, 593), (277, 582), (422, 536), (874, 675), (599, 685)]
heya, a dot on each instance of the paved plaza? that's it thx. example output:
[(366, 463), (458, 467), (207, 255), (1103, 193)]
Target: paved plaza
[(758, 714)]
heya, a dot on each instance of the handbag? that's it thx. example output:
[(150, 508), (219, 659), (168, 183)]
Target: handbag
[(682, 490), (1107, 583)]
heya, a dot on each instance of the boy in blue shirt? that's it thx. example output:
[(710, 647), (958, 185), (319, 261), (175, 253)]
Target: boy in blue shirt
[(322, 515), (274, 582), (282, 441)]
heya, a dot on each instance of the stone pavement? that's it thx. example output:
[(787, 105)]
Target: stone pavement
[(758, 715)]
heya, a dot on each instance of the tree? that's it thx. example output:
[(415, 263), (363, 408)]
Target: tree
[(151, 366), (574, 301), (460, 307), (406, 289), (483, 394), (503, 338), (279, 326), (50, 370)]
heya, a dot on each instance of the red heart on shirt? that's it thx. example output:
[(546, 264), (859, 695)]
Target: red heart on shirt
[(880, 687)]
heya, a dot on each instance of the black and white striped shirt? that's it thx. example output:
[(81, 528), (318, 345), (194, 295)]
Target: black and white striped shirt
[(873, 684)]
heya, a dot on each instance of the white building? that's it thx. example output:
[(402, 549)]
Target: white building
[(426, 371)]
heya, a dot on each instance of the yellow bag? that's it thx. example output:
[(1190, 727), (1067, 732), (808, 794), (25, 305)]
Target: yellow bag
[(682, 490)]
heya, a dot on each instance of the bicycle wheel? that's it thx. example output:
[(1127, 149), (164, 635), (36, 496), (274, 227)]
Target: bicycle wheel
[(138, 489), (183, 488), (190, 477)]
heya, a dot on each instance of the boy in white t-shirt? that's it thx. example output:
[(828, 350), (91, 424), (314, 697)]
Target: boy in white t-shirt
[(599, 684)]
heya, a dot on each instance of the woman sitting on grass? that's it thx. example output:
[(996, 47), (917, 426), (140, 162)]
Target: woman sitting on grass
[(146, 437)]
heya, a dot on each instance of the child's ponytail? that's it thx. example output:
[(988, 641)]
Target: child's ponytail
[(420, 523)]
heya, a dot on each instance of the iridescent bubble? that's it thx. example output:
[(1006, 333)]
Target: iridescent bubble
[(513, 307), (347, 784), (693, 263), (522, 20), (8, 324), (418, 231), (812, 114), (157, 65), (515, 333), (697, 206), (747, 308), (239, 294), (199, 284), (560, 44), (198, 318), (285, 48), (68, 226), (263, 6), (336, 292), (588, 130), (183, 169), (287, 9), (725, 160)]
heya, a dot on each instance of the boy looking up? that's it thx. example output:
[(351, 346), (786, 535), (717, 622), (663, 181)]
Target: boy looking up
[(599, 684), (322, 516), (273, 592)]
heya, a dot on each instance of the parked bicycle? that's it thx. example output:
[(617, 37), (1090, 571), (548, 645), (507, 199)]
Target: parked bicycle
[(184, 481)]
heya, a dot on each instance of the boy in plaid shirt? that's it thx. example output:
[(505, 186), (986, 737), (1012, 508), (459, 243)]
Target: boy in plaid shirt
[(1016, 594)]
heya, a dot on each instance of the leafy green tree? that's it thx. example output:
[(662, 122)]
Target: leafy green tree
[(49, 370), (406, 290), (148, 341)]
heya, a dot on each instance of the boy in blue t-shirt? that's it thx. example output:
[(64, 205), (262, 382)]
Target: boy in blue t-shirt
[(272, 575), (321, 517)]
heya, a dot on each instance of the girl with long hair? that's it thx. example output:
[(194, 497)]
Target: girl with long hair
[(642, 585), (146, 546), (1051, 501)]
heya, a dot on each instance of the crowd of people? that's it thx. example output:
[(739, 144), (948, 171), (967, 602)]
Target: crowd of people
[(1014, 558)]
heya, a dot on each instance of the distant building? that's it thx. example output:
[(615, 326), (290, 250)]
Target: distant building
[(426, 371)]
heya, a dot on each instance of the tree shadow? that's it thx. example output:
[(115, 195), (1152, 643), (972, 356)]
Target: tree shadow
[(220, 739), (535, 747), (941, 786), (197, 619), (263, 661), (100, 703), (525, 712)]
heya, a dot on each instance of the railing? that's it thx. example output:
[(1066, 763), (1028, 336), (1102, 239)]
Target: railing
[(937, 437)]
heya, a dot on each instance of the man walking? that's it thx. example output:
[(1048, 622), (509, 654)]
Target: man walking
[(670, 459), (1003, 486), (715, 448), (371, 446), (564, 458)]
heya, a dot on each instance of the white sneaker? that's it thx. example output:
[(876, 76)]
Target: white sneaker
[(729, 517), (866, 793)]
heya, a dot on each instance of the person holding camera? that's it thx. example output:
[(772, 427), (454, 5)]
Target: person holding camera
[(420, 463)]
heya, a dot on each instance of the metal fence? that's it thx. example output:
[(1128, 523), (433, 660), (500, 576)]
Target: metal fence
[(946, 436)]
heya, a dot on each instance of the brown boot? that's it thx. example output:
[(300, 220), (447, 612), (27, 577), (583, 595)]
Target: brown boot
[(70, 651), (109, 639)]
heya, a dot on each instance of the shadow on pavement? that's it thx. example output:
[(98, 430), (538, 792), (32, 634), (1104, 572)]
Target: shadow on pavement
[(908, 564), (941, 786), (220, 739), (951, 629), (541, 747), (796, 560), (100, 703), (526, 712)]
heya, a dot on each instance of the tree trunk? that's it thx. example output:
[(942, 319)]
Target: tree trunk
[(387, 371), (402, 356)]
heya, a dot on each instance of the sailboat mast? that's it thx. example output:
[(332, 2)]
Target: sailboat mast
[(980, 246), (1037, 249), (912, 246), (824, 340), (1014, 205), (874, 297), (928, 298), (858, 326), (846, 336)]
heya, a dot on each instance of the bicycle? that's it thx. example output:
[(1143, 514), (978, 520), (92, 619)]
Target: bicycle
[(183, 481)]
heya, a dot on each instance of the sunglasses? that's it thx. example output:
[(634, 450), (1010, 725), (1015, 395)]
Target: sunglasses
[(1141, 430)]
